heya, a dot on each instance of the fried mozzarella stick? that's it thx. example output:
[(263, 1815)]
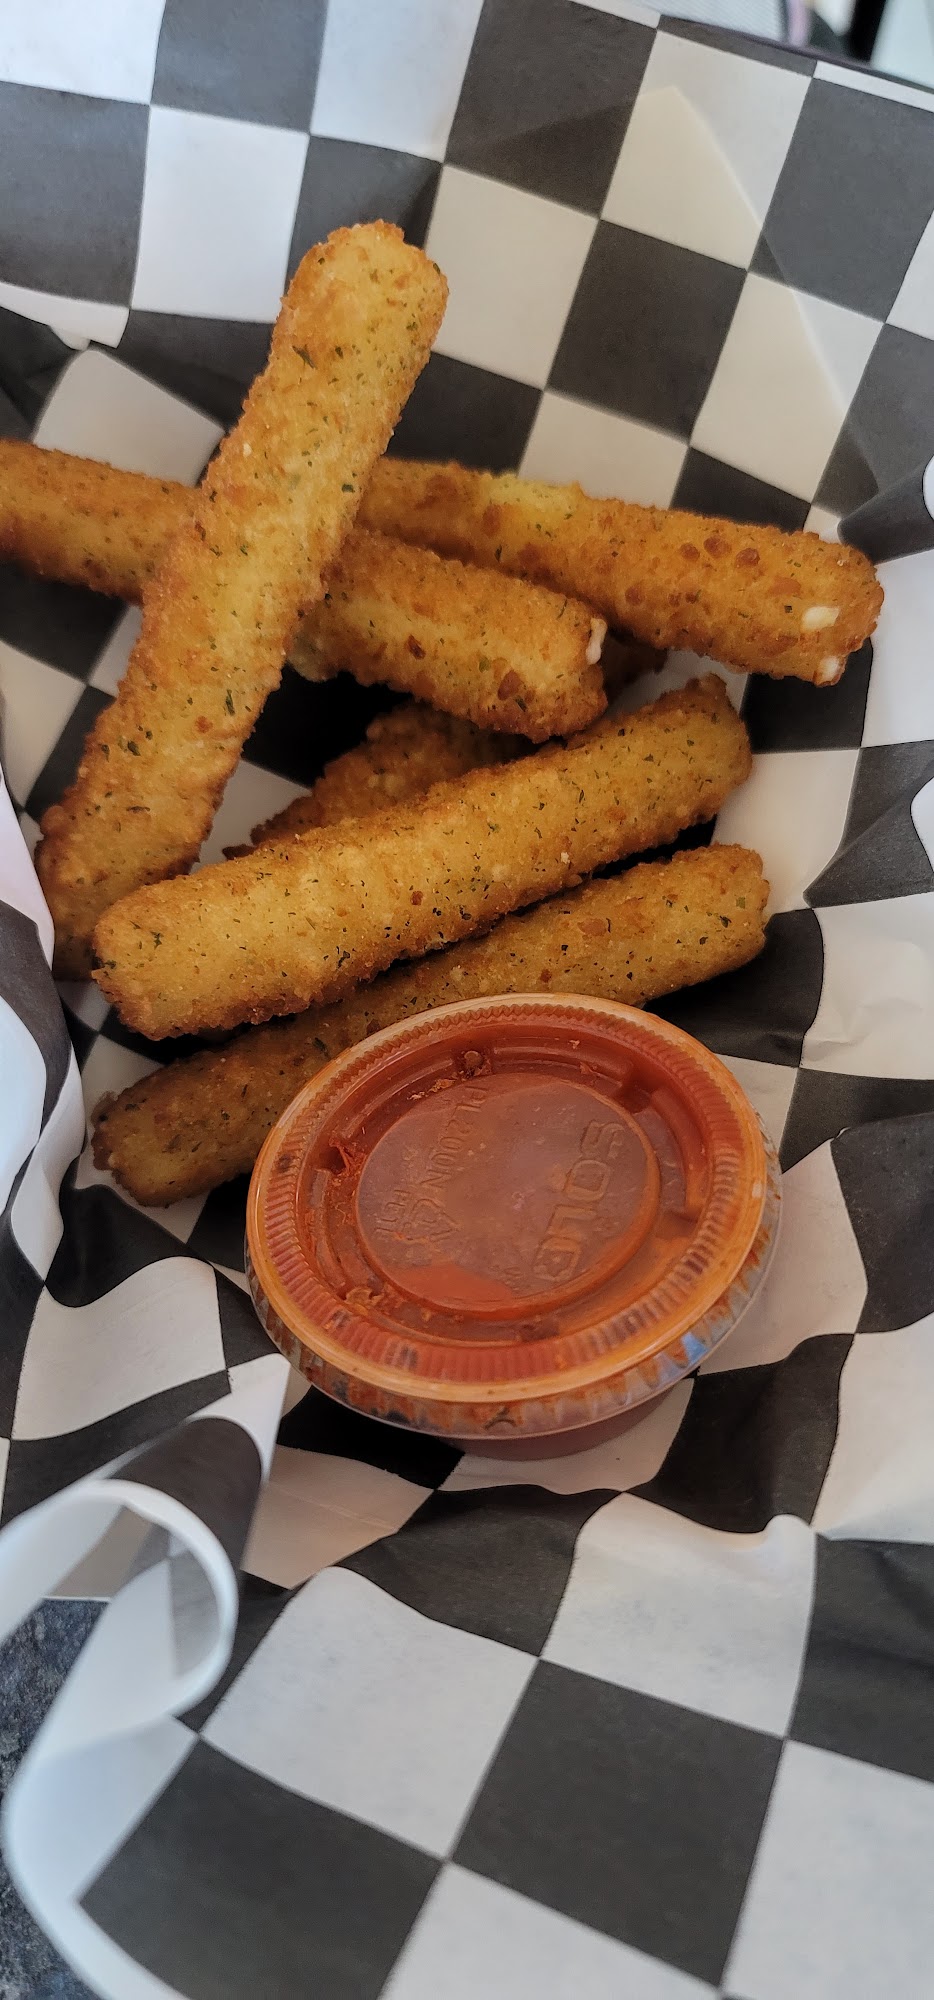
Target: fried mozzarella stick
[(664, 925), (355, 329), (402, 755), (753, 598), (79, 521), (496, 651), (306, 920)]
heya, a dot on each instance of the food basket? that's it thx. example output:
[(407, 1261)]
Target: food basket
[(363, 1713)]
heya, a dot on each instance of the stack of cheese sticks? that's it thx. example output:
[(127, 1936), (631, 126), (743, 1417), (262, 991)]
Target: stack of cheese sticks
[(497, 787)]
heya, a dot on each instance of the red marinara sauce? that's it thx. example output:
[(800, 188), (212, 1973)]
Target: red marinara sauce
[(508, 1221)]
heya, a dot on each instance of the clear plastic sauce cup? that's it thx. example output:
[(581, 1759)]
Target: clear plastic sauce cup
[(510, 1222)]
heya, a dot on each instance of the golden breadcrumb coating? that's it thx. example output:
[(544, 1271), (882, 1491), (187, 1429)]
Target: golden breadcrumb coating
[(663, 925), (493, 649), (402, 755), (305, 920), (355, 329), (753, 598), (497, 651), (80, 521)]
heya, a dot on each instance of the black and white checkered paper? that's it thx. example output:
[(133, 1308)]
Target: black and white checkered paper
[(654, 1720)]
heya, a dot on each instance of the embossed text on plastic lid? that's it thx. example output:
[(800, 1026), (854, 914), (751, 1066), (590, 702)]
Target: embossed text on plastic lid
[(510, 1218)]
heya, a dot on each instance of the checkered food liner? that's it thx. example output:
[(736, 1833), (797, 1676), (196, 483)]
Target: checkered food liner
[(654, 1719)]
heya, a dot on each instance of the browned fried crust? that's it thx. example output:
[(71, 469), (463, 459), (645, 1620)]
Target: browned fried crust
[(81, 522), (495, 650), (492, 649), (747, 596), (402, 755), (306, 920), (356, 327), (200, 1121)]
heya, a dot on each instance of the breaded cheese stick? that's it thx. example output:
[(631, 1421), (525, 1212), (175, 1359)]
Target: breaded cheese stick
[(402, 755), (664, 925), (306, 920), (355, 329), (497, 651), (753, 598), (79, 521)]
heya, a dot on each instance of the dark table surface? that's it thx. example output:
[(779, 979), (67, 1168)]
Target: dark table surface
[(33, 1664)]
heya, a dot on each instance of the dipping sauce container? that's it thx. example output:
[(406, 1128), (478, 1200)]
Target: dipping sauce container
[(511, 1220)]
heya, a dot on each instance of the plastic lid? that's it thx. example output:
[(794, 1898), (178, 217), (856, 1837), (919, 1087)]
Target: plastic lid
[(509, 1217)]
